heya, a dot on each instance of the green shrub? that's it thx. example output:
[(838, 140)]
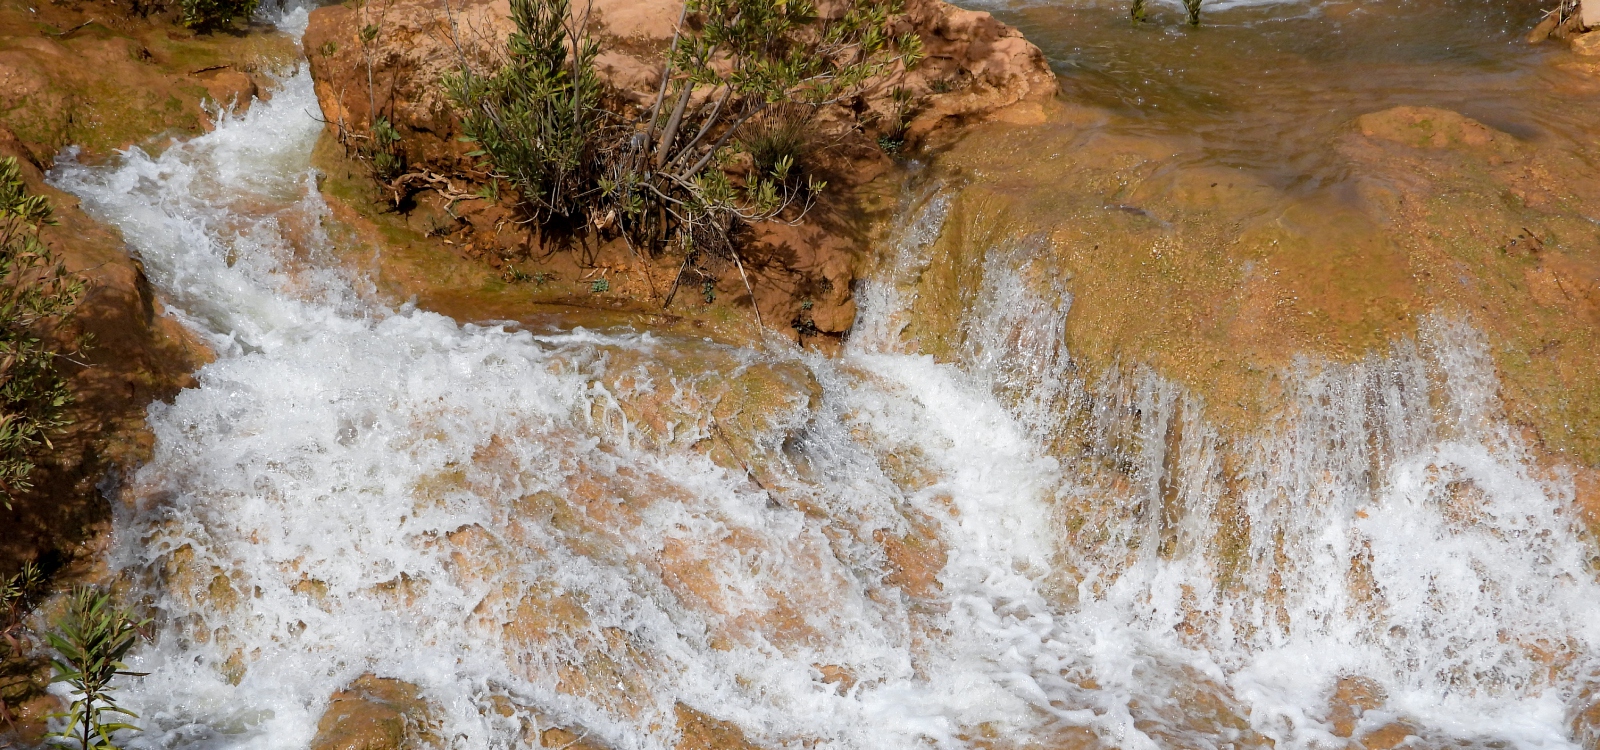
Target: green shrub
[(91, 641), (36, 295), (759, 64), (18, 594), (656, 174), (778, 136), (215, 14), (536, 118)]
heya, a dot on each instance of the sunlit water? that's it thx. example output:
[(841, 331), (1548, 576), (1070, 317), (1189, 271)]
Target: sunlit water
[(529, 527), (1265, 85)]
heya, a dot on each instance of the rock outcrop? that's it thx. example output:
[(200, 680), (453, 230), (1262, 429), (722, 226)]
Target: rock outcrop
[(375, 713), (976, 69), (136, 355), (102, 77)]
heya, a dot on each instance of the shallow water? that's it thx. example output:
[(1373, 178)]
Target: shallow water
[(591, 528), (1264, 85)]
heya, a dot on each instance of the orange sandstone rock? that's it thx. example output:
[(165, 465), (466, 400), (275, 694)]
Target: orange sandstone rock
[(374, 713)]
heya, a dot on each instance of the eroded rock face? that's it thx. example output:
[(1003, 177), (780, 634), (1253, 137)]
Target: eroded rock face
[(996, 73), (976, 67), (101, 77), (407, 62), (801, 276)]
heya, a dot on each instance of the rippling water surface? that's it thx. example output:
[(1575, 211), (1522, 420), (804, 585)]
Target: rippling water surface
[(1263, 84)]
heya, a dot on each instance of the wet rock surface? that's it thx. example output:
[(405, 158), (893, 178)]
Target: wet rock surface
[(1232, 276), (375, 713), (137, 355), (102, 77)]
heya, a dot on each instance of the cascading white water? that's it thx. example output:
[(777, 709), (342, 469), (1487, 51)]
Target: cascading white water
[(533, 530)]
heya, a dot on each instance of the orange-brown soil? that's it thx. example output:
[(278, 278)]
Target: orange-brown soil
[(798, 276)]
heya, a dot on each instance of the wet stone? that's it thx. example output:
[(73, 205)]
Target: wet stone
[(375, 713)]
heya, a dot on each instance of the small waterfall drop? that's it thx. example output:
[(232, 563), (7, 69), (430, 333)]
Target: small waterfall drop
[(546, 530)]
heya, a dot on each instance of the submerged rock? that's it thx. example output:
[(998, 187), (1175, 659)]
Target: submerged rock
[(1587, 45), (375, 713), (1430, 127)]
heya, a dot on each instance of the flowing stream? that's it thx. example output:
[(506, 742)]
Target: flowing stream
[(547, 530)]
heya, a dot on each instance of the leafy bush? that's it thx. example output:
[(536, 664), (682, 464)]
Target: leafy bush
[(657, 174), (36, 294), (91, 641), (215, 14), (535, 118), (18, 594)]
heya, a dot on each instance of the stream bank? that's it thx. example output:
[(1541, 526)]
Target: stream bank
[(101, 77)]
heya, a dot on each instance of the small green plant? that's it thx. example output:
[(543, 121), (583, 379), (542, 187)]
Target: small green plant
[(208, 15), (518, 276), (18, 594), (708, 291), (384, 153), (894, 136), (36, 295), (91, 641), (489, 191), (1192, 7), (1138, 12), (776, 136), (600, 285)]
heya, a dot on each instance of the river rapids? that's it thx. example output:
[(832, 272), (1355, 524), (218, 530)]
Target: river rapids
[(532, 529)]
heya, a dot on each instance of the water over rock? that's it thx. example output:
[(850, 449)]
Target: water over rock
[(374, 713)]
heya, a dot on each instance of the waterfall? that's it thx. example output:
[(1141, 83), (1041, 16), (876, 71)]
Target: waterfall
[(888, 551)]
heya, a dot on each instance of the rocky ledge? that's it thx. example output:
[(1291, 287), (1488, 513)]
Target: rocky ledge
[(976, 69)]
